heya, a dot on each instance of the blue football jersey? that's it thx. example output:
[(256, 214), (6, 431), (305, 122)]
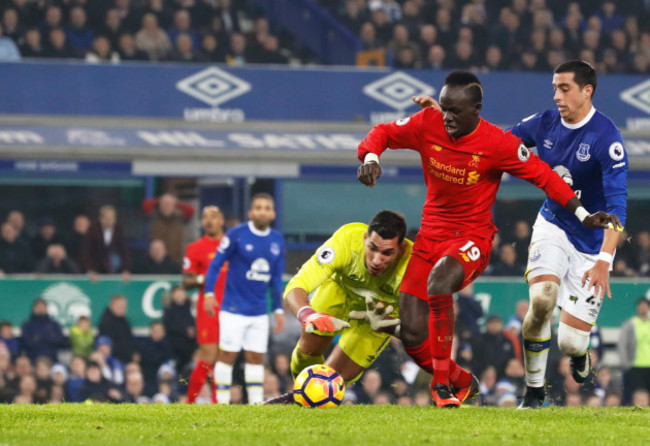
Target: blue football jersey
[(255, 262), (591, 157)]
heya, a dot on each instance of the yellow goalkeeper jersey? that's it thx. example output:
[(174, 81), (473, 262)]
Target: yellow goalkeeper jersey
[(341, 259)]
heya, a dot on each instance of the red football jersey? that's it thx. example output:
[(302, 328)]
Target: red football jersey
[(198, 256), (462, 175)]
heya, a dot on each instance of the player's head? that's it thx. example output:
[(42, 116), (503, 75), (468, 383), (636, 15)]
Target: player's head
[(262, 211), (643, 307), (212, 221), (461, 102), (383, 241), (574, 83)]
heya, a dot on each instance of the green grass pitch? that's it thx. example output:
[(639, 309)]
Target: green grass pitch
[(126, 425)]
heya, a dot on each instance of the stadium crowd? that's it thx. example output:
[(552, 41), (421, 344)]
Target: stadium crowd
[(108, 363), (482, 35)]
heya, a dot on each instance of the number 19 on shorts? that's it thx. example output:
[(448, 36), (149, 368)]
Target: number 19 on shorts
[(469, 251)]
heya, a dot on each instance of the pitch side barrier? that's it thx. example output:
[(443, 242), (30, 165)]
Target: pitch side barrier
[(219, 93)]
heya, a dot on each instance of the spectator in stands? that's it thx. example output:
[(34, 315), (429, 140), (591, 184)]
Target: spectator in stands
[(492, 348), (11, 26), (640, 63), (58, 47), (112, 368), (493, 59), (156, 350), (134, 389), (160, 10), (152, 39), (130, 17), (53, 19), (634, 350), (168, 219), (74, 241), (82, 337), (41, 335), (368, 37), (17, 219), (643, 252), (469, 311), (228, 16), (515, 321), (32, 46), (47, 235), (210, 50), (371, 384), (101, 51), (382, 26), (238, 53), (400, 41), (436, 60), (57, 262), (8, 49), (116, 326), (79, 36), (507, 264), (641, 398), (112, 27), (96, 388), (75, 379), (183, 50), (354, 16), (179, 326), (182, 25), (26, 390), (104, 248), (428, 36), (128, 50), (157, 261), (11, 343), (271, 53), (43, 380)]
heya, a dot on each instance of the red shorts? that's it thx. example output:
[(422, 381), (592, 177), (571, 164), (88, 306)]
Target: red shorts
[(472, 252), (207, 327)]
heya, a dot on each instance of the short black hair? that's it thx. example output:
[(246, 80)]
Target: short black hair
[(388, 224), (640, 300), (469, 81), (263, 196), (583, 73)]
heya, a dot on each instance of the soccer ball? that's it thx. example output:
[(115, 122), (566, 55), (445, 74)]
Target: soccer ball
[(319, 386)]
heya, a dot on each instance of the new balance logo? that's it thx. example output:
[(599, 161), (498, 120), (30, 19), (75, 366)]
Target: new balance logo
[(213, 86), (638, 96), (396, 90)]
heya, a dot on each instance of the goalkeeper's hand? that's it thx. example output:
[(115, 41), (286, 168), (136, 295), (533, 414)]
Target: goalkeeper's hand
[(377, 314), (312, 321)]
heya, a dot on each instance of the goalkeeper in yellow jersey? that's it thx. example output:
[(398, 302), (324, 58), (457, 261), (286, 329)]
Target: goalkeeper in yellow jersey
[(355, 278)]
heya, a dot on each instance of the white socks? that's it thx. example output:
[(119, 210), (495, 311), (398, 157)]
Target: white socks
[(254, 375), (223, 376), (536, 355), (536, 331)]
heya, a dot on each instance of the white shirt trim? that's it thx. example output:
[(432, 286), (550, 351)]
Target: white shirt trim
[(256, 231), (581, 123)]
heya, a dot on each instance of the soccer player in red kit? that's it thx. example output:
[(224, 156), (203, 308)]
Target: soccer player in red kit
[(198, 256), (463, 157)]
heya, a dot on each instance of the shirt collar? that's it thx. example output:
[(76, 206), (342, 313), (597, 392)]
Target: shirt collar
[(581, 123), (256, 231)]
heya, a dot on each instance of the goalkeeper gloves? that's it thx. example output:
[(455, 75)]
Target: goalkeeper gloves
[(312, 320), (378, 315)]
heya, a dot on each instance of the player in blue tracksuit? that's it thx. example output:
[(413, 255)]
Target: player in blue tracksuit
[(255, 256), (568, 263)]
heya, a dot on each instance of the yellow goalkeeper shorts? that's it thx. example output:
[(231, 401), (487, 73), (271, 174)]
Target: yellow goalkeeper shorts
[(360, 342)]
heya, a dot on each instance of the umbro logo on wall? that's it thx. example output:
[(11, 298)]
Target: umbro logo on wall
[(213, 86)]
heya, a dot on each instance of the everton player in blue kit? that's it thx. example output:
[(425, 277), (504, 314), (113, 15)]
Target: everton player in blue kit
[(568, 263), (255, 253)]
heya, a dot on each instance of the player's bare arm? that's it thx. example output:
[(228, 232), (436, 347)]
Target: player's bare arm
[(597, 220), (368, 173), (598, 276), (192, 281), (298, 303)]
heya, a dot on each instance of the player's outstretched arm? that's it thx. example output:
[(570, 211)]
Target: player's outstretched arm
[(378, 316), (298, 302), (596, 220)]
